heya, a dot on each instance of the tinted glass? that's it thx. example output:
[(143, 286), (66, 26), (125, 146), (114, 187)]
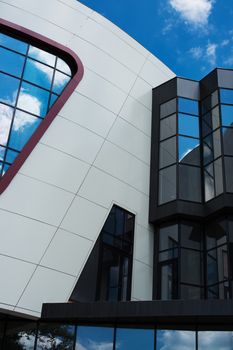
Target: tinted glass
[(214, 340), (209, 183), (20, 335), (168, 108), (167, 155), (12, 43), (189, 150), (229, 171), (188, 106), (188, 125), (227, 134), (217, 266), (226, 96), (191, 236), (190, 292), (168, 281), (90, 338), (210, 102), (191, 266), (189, 183), (168, 237), (8, 89), (218, 174), (168, 127), (60, 82), (38, 73), (137, 339), (11, 62), (42, 56), (55, 337), (167, 185), (227, 115), (63, 66), (216, 234), (174, 340)]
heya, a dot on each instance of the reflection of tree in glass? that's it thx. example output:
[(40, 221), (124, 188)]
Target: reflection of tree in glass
[(55, 337), (20, 336)]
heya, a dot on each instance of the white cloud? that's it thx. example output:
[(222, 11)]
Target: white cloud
[(42, 55), (196, 52), (225, 42), (177, 340), (195, 12), (211, 53), (92, 345), (5, 122), (29, 103)]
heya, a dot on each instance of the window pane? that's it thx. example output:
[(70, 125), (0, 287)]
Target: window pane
[(168, 127), (20, 335), (33, 99), (8, 89), (210, 121), (167, 154), (209, 182), (136, 339), (226, 96), (60, 82), (217, 266), (189, 183), (6, 114), (215, 118), (169, 281), (23, 128), (168, 254), (229, 171), (38, 73), (217, 143), (210, 102), (190, 292), (168, 108), (11, 156), (42, 56), (188, 125), (216, 234), (188, 106), (63, 66), (227, 115), (167, 184), (191, 266), (208, 153), (90, 338), (14, 44), (55, 337), (174, 340), (227, 135), (52, 100), (214, 340), (218, 291), (191, 236), (168, 237), (218, 176), (189, 150), (11, 62)]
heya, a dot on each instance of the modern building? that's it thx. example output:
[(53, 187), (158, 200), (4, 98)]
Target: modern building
[(116, 211)]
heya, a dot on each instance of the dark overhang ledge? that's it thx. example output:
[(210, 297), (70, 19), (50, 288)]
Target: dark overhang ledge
[(212, 312)]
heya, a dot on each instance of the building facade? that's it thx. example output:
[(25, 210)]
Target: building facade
[(115, 211)]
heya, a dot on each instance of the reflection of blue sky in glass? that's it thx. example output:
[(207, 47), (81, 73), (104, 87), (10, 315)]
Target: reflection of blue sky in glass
[(31, 93), (188, 125), (94, 338), (187, 145), (188, 106), (175, 340), (12, 43), (227, 115), (226, 96), (38, 73), (214, 340), (136, 339), (11, 62), (8, 89)]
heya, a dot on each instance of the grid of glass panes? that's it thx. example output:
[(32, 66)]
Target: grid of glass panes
[(115, 265), (211, 136), (180, 261), (179, 151), (31, 80), (28, 335)]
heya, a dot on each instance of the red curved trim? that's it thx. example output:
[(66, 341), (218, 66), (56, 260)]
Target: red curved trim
[(77, 69)]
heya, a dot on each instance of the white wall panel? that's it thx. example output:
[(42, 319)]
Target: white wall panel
[(118, 78)]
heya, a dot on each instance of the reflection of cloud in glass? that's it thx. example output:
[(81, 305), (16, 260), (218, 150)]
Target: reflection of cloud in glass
[(26, 341), (22, 120), (42, 56), (175, 340), (92, 345), (5, 122), (212, 340), (63, 66), (29, 103)]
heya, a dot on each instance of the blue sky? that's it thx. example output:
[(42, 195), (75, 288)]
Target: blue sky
[(191, 36)]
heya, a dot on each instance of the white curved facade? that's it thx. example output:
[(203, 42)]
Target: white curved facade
[(95, 153)]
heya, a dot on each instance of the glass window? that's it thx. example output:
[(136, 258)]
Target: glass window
[(190, 292), (9, 87), (210, 102), (215, 118), (191, 266), (6, 115), (63, 66), (188, 125), (53, 99), (216, 234), (191, 236), (217, 266), (168, 127), (167, 154), (188, 106), (137, 339), (215, 340), (174, 340), (217, 143), (42, 56), (189, 183), (168, 108), (33, 99), (13, 44), (20, 335), (227, 115), (167, 184), (168, 237), (227, 135), (228, 172), (11, 156), (218, 176), (38, 73), (169, 280), (218, 291), (188, 150), (226, 96), (209, 182), (60, 82), (208, 153), (90, 338), (11, 62), (55, 337)]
